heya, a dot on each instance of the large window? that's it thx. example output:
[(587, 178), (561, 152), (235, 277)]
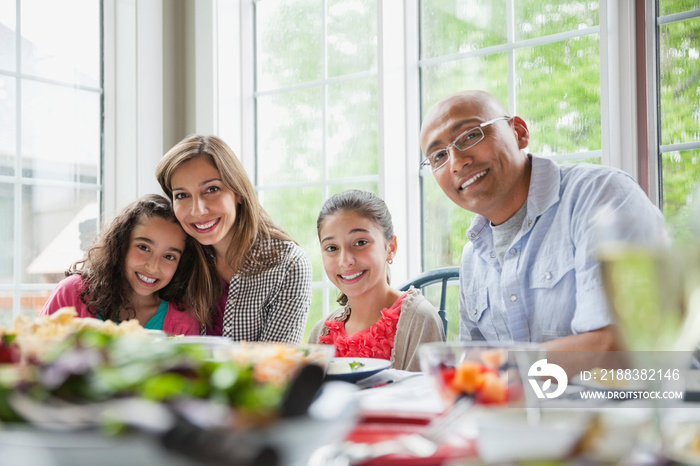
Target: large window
[(678, 74), (316, 95), (541, 59), (50, 144)]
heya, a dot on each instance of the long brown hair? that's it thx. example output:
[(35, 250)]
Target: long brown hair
[(107, 292), (252, 222)]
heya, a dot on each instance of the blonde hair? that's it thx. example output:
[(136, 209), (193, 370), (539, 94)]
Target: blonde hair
[(252, 222)]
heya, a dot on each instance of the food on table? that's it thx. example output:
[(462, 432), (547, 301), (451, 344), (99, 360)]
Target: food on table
[(343, 366), (99, 361), (36, 338), (481, 379), (276, 362), (355, 366)]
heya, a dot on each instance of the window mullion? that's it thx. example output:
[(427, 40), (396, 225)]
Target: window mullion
[(17, 217)]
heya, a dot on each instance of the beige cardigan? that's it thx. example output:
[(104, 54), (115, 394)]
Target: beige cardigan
[(418, 323)]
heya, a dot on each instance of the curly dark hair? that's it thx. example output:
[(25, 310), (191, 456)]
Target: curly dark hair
[(106, 292)]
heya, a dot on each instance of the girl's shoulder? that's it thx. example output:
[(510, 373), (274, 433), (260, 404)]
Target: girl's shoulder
[(73, 283), (415, 301), (179, 322)]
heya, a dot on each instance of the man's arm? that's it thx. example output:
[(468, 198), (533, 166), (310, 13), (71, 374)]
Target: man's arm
[(586, 351), (604, 339)]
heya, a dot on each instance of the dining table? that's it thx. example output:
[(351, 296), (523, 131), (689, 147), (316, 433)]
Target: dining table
[(393, 417)]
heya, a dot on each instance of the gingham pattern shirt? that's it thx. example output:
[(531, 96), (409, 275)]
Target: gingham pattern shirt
[(549, 285), (272, 305)]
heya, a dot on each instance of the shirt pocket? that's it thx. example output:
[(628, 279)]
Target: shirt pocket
[(553, 282), (548, 271), (476, 304), (479, 317)]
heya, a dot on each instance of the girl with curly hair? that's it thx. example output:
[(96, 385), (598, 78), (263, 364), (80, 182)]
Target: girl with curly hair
[(143, 267)]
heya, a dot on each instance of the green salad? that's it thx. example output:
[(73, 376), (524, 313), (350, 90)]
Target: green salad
[(92, 366)]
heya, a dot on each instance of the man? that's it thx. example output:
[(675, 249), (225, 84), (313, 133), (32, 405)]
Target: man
[(529, 271)]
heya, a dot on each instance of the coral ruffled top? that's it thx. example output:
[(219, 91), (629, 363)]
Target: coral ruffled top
[(376, 341)]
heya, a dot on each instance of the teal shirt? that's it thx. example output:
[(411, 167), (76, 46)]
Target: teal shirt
[(156, 322)]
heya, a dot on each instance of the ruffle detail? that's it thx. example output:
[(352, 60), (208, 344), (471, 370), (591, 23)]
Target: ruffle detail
[(376, 341)]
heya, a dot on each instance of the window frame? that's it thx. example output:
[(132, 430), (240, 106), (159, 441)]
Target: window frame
[(629, 101), (19, 290)]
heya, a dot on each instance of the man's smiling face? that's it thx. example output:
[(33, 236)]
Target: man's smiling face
[(490, 178)]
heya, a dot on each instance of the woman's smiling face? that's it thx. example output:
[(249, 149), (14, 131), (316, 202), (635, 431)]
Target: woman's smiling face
[(204, 205), (354, 253)]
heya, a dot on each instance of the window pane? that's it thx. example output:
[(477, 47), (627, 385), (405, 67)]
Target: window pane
[(8, 126), (681, 180), (353, 142), (61, 133), (679, 64), (352, 36), (7, 228), (296, 211), (559, 95), (290, 136), (315, 312), (669, 7), (61, 40), (489, 73), (58, 224), (433, 293), (535, 18), (372, 187), (6, 302), (444, 227), (8, 36), (454, 26), (289, 42)]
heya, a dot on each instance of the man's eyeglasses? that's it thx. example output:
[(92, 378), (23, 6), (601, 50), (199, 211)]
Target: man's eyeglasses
[(464, 141)]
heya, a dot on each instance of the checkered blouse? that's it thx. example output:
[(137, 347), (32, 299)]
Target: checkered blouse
[(272, 305)]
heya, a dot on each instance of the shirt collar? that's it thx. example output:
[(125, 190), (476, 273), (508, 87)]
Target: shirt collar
[(543, 192)]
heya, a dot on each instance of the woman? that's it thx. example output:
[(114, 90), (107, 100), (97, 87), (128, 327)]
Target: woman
[(262, 276)]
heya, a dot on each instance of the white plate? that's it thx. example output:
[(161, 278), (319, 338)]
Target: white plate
[(208, 340), (340, 368)]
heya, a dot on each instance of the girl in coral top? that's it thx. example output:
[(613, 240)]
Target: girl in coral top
[(143, 267), (376, 321)]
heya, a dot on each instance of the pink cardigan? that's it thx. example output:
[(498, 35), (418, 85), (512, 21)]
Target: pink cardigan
[(67, 294)]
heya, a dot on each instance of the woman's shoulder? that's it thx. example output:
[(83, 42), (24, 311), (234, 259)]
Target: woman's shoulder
[(279, 251)]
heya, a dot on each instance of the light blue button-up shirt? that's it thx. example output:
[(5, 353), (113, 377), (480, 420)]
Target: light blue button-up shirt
[(549, 285)]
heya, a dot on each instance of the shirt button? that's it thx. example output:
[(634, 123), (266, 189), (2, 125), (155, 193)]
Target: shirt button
[(548, 275), (227, 328), (513, 252), (474, 312), (513, 298), (493, 254), (529, 223), (472, 235)]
